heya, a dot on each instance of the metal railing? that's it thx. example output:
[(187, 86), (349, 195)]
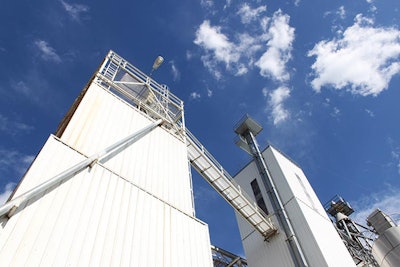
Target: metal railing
[(214, 163), (226, 173), (138, 89), (141, 76)]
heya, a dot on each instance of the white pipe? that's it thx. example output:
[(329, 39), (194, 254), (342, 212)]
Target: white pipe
[(13, 204)]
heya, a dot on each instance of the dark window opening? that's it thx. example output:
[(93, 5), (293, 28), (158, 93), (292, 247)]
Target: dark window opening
[(257, 194)]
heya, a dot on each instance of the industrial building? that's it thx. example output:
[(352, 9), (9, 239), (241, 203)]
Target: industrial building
[(112, 186), (281, 189)]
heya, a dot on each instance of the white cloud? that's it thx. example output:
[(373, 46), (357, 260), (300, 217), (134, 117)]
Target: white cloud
[(211, 39), (35, 88), (264, 22), (239, 54), (207, 3), (396, 158), (363, 59), (248, 45), (211, 66), (387, 200), (33, 92), (264, 92), (48, 53), (372, 7), (75, 10), (370, 113), (22, 88), (336, 112), (194, 95), (395, 153), (176, 74), (275, 103), (248, 14), (241, 70), (297, 2), (189, 55), (281, 36), (228, 4), (341, 12), (12, 160), (218, 49), (13, 127), (5, 194), (209, 92), (272, 65)]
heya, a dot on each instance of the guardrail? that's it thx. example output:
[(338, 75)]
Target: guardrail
[(226, 174), (138, 74)]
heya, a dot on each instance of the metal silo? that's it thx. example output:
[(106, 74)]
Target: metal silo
[(386, 247)]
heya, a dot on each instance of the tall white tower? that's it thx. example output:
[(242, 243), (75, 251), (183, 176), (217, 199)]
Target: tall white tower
[(306, 236), (113, 186)]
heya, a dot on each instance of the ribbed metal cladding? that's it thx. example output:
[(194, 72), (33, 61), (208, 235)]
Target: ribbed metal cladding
[(133, 208), (97, 218), (158, 163), (276, 252), (320, 242)]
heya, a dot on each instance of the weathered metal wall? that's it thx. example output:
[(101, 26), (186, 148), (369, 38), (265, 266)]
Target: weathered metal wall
[(319, 240)]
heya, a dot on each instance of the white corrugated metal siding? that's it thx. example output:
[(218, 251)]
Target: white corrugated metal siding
[(291, 181), (133, 209), (97, 218), (318, 238), (158, 163), (258, 252)]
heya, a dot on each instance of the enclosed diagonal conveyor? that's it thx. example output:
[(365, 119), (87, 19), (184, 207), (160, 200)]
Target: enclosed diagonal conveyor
[(223, 183)]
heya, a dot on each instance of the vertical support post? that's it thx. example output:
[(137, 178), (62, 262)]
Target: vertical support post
[(183, 125)]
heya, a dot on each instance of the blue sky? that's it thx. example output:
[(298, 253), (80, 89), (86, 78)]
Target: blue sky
[(322, 77)]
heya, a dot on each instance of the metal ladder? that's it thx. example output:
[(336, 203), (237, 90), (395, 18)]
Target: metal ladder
[(209, 168), (110, 71)]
